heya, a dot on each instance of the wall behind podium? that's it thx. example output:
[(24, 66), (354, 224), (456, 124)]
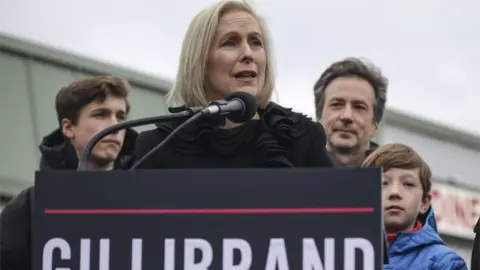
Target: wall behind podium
[(30, 77)]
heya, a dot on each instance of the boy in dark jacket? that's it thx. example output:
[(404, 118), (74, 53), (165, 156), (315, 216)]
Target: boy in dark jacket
[(83, 107), (413, 241)]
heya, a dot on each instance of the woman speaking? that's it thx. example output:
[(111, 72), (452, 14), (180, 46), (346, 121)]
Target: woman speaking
[(226, 49)]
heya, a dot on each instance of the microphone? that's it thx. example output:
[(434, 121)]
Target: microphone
[(239, 107), (176, 114)]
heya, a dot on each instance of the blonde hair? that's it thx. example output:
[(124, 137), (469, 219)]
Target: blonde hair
[(188, 88)]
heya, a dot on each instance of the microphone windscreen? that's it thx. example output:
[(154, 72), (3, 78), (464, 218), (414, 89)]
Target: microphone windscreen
[(249, 107)]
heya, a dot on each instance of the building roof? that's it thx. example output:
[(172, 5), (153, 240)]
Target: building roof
[(43, 53), (431, 129)]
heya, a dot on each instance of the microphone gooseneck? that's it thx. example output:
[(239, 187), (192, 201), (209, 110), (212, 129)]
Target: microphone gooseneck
[(167, 139), (83, 159), (238, 107)]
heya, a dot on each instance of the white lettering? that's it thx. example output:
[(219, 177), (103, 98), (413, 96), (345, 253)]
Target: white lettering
[(85, 251), (191, 244), (84, 254), (198, 254), (169, 254), (277, 255), (349, 253), (104, 260), (229, 246), (311, 258), (50, 246), (137, 254)]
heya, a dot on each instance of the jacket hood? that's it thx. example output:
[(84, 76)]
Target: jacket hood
[(405, 242), (59, 154)]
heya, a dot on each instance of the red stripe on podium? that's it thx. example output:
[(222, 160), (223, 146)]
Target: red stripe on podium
[(209, 211)]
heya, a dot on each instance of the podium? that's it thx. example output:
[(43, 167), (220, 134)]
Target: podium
[(208, 219)]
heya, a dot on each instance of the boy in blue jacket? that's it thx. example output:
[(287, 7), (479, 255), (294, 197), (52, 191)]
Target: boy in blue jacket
[(413, 241)]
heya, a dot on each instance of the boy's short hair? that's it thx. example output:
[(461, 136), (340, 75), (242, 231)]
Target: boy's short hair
[(401, 156), (71, 99)]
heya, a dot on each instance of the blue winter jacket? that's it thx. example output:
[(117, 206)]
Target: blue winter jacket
[(423, 250)]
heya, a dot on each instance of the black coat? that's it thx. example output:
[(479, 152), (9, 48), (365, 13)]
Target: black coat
[(278, 138), (475, 263), (15, 222)]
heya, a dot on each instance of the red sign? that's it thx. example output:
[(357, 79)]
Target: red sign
[(457, 209)]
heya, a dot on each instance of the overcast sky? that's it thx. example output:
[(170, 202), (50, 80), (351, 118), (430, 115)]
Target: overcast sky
[(430, 50)]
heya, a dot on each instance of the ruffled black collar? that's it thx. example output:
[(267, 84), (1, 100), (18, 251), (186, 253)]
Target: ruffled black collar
[(274, 135)]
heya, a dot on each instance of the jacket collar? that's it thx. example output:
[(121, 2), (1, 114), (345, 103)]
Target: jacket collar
[(372, 147), (59, 154)]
